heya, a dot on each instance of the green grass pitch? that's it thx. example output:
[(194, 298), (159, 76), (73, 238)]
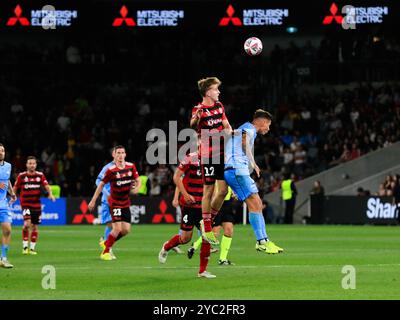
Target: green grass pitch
[(310, 267)]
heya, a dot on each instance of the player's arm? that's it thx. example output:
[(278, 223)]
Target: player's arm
[(99, 189), (13, 196), (46, 185), (16, 185), (179, 184), (227, 127), (247, 151), (175, 201), (50, 194), (138, 184), (195, 120)]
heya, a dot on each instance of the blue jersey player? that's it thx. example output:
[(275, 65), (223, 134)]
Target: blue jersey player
[(5, 213), (239, 160), (105, 216)]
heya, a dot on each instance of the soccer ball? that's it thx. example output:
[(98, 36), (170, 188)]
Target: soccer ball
[(253, 46)]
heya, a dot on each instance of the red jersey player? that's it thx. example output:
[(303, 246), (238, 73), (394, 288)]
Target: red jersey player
[(124, 179), (191, 189), (209, 119), (29, 183)]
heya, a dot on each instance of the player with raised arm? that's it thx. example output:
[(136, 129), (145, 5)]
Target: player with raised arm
[(124, 179), (211, 123), (239, 158), (29, 185), (5, 213), (189, 181)]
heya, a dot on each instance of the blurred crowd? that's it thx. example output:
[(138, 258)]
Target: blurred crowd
[(311, 132), (389, 187)]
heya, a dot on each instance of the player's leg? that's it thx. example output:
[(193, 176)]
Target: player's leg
[(106, 219), (219, 197), (246, 190), (182, 237), (209, 175), (257, 222), (5, 242), (117, 215), (34, 238), (205, 251), (35, 221), (112, 237), (177, 249), (226, 242), (195, 245), (25, 234), (208, 190), (125, 229)]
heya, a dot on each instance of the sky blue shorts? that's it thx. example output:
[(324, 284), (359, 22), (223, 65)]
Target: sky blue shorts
[(105, 216), (5, 216), (242, 185)]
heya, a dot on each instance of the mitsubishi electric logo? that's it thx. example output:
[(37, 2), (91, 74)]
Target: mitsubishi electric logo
[(159, 18), (18, 18), (264, 17), (255, 17), (47, 17), (124, 19), (334, 16), (150, 18), (230, 18), (352, 16)]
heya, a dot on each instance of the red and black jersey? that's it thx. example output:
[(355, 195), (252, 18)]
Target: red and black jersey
[(211, 120), (192, 180), (121, 181), (30, 187)]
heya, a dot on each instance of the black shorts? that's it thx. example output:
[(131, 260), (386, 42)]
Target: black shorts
[(191, 217), (34, 215), (213, 169), (120, 214), (225, 215)]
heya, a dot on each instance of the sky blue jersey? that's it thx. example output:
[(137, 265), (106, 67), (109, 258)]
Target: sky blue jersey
[(107, 187), (235, 157), (5, 174)]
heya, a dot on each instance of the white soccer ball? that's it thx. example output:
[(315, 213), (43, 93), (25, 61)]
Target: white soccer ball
[(253, 46)]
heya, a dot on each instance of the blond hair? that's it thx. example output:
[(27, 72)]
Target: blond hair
[(206, 83)]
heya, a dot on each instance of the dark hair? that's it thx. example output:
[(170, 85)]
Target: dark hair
[(260, 113), (31, 158), (1, 145), (118, 147)]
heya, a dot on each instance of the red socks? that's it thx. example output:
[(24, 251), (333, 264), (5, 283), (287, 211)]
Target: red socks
[(25, 234), (109, 243), (34, 236), (207, 221), (173, 242), (204, 256)]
